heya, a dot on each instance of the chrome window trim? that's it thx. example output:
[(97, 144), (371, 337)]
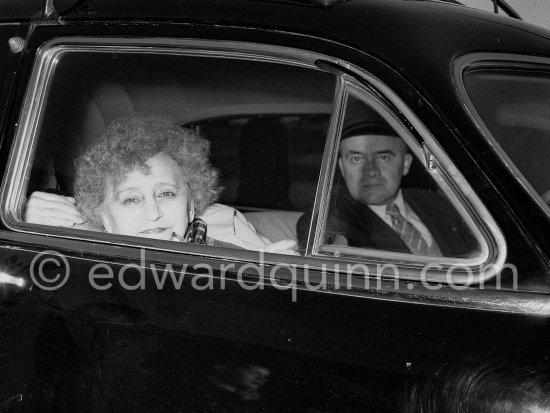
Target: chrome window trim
[(363, 94), (324, 185), (30, 118), (497, 61), (48, 56)]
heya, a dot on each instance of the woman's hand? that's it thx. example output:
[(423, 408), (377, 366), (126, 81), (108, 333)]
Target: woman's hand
[(51, 209)]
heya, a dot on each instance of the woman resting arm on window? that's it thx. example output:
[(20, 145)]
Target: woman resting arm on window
[(148, 177)]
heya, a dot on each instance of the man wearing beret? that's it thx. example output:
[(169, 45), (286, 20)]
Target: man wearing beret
[(369, 209)]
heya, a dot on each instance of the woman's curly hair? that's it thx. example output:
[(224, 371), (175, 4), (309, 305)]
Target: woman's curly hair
[(128, 143)]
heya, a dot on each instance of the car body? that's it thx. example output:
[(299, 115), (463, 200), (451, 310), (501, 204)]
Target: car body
[(467, 333)]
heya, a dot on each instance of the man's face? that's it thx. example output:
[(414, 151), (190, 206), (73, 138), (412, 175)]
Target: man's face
[(372, 167)]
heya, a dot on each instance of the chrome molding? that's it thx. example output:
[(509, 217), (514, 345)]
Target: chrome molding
[(493, 246), (324, 186)]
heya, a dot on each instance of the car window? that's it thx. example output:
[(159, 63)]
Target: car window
[(383, 197), (265, 119), (271, 118), (514, 105)]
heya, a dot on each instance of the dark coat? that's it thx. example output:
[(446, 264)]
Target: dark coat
[(362, 228)]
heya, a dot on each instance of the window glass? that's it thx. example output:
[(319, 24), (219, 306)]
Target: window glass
[(383, 198), (515, 106), (266, 124)]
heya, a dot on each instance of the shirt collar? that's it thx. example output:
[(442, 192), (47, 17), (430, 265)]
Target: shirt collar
[(380, 210)]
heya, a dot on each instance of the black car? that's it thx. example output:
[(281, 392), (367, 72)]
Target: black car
[(99, 321)]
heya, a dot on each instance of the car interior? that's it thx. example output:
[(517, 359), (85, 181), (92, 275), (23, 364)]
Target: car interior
[(267, 123)]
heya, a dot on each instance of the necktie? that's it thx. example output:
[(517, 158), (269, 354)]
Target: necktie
[(408, 233)]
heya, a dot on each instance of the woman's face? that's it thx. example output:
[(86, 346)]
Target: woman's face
[(150, 205)]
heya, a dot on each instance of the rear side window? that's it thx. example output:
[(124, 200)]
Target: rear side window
[(514, 104)]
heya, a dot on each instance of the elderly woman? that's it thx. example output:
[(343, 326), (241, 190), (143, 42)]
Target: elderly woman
[(148, 177)]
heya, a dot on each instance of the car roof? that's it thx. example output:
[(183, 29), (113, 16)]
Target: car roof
[(365, 24), (362, 22)]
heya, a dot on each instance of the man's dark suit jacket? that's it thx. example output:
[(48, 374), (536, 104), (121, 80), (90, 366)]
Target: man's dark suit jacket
[(362, 228)]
